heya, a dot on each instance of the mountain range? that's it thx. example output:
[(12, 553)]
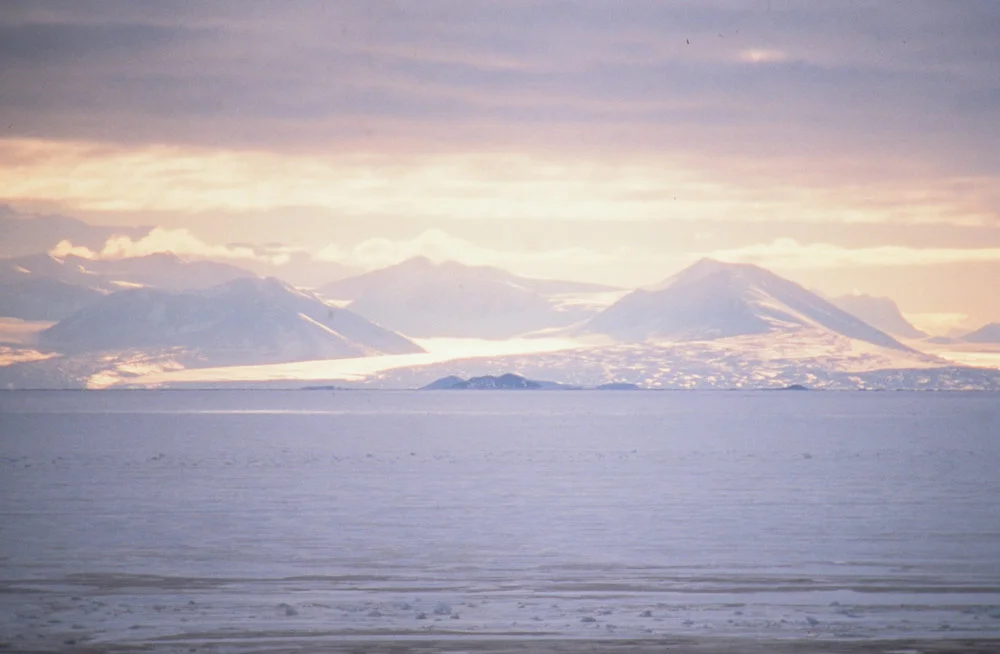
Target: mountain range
[(421, 298), (712, 324)]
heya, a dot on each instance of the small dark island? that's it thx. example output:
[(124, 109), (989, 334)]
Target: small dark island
[(508, 381)]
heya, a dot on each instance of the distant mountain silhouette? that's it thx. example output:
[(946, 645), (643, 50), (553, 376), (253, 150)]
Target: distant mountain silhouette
[(34, 297), (44, 287), (162, 270), (25, 233), (879, 312), (422, 298), (988, 333), (711, 299), (243, 321)]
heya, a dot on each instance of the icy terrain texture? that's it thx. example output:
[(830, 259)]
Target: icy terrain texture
[(210, 517)]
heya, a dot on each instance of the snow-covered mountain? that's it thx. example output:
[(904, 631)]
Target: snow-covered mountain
[(240, 322), (879, 312), (988, 333), (162, 270), (422, 298), (297, 267), (711, 300), (44, 287)]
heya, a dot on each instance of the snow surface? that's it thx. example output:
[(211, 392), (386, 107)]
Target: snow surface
[(436, 350), (221, 517), (815, 358)]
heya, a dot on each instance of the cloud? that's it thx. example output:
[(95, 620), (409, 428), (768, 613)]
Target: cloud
[(440, 246), (787, 253), (542, 75), (762, 56), (489, 185), (945, 323), (177, 241)]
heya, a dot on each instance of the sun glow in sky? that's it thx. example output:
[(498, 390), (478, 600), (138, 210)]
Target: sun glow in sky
[(846, 145)]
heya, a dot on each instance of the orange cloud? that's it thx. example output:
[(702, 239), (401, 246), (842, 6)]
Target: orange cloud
[(790, 254), (762, 56), (477, 186), (177, 241)]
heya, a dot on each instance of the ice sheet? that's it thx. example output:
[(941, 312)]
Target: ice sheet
[(127, 517)]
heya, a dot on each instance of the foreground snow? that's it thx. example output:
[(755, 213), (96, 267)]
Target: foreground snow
[(240, 520)]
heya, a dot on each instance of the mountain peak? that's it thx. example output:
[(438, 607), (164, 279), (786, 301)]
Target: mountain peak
[(419, 261), (421, 298), (707, 267), (712, 299), (162, 255)]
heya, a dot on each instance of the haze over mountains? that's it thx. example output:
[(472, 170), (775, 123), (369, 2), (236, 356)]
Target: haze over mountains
[(27, 238), (880, 312), (25, 234), (425, 299), (45, 287), (711, 325)]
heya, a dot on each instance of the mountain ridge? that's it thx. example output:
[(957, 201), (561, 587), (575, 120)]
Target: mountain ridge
[(425, 299), (988, 333), (880, 312), (247, 320), (712, 299)]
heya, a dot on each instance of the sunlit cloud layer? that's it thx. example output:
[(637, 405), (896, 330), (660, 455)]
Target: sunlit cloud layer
[(762, 56), (439, 246), (789, 254), (484, 186), (800, 135), (951, 324), (175, 241), (785, 254)]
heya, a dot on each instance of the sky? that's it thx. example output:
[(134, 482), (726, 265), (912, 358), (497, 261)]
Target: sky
[(851, 146)]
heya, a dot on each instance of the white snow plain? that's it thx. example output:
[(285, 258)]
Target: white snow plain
[(186, 518)]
